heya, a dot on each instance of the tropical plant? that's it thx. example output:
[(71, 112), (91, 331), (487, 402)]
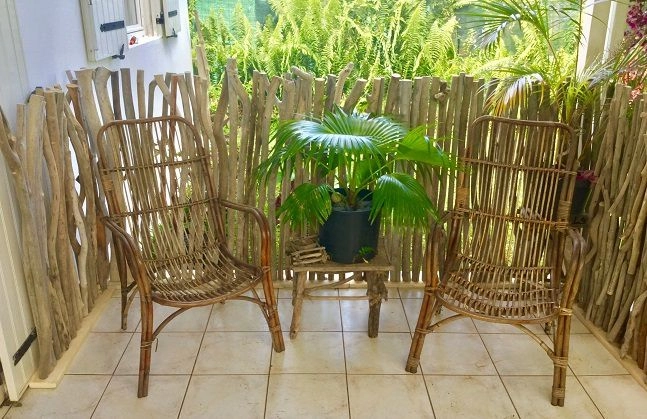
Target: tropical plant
[(358, 153), (543, 36)]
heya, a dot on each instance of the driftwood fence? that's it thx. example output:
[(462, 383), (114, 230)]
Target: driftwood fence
[(238, 129), (614, 285)]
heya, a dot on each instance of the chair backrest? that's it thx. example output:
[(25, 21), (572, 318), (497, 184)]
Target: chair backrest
[(155, 175), (513, 195)]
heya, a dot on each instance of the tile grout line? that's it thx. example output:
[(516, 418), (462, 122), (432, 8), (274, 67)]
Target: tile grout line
[(422, 374), (195, 361), (514, 406)]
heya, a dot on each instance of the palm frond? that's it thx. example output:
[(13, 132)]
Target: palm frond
[(402, 201), (307, 204)]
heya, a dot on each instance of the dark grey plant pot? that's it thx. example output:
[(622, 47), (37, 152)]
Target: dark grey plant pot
[(345, 233)]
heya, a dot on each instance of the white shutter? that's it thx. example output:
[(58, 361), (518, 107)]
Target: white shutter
[(104, 26), (171, 13)]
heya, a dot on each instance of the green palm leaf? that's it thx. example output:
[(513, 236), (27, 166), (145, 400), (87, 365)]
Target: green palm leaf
[(308, 203), (402, 201)]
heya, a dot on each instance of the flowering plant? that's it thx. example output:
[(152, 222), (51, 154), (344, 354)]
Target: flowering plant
[(587, 176), (636, 21)]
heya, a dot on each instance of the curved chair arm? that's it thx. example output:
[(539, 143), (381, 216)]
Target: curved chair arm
[(263, 224), (434, 260), (574, 269), (132, 253)]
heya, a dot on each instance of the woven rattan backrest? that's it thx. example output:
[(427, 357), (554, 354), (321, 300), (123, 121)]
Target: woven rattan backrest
[(512, 196), (155, 175)]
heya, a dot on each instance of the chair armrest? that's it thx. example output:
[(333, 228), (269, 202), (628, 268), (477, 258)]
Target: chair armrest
[(131, 252), (263, 225), (433, 258), (574, 268)]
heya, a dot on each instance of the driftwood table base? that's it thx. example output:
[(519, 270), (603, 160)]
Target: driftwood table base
[(375, 273)]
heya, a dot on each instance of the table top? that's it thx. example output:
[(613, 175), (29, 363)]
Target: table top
[(379, 263)]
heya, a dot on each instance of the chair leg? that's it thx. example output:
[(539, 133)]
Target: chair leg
[(123, 279), (429, 306), (145, 348), (560, 360), (273, 321)]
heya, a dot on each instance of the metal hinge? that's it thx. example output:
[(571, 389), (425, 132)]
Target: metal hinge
[(24, 347)]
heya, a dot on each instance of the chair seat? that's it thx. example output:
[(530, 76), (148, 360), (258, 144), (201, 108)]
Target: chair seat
[(199, 279), (508, 299)]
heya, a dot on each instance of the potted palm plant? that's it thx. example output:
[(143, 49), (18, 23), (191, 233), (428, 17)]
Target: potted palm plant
[(363, 177)]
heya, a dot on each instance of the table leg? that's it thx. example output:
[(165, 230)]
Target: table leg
[(376, 291), (298, 289)]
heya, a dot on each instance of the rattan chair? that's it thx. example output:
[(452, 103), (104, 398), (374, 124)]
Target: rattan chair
[(504, 258), (170, 226)]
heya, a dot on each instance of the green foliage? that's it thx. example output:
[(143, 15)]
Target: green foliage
[(322, 36), (360, 153), (535, 44)]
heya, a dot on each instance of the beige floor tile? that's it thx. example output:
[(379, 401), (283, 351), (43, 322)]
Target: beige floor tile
[(388, 396), (285, 293), (489, 327), (617, 396), (3, 411), (316, 315), (173, 353), (234, 353), (518, 354), (531, 396), (110, 320), (237, 316), (469, 397), (354, 316), (361, 292), (417, 292), (412, 309), (386, 354), (75, 397), (193, 320), (241, 396), (311, 353), (588, 357), (328, 292), (100, 353), (307, 396), (165, 394), (577, 326), (455, 354)]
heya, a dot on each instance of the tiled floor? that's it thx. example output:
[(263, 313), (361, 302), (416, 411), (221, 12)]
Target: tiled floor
[(217, 362)]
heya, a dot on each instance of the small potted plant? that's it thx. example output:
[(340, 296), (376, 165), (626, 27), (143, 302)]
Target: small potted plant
[(583, 185), (360, 181)]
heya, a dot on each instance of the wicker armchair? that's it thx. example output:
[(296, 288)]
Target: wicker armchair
[(169, 226), (506, 245)]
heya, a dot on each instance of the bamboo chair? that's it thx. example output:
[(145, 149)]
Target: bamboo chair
[(506, 244), (170, 226)]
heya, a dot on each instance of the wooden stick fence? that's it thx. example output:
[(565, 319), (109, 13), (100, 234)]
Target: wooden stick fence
[(614, 288), (239, 132)]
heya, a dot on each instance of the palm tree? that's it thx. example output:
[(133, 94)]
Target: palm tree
[(359, 153), (544, 36)]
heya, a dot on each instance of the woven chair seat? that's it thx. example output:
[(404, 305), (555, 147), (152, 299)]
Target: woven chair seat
[(503, 303), (205, 281)]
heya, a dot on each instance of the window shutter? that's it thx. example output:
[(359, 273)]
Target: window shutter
[(172, 23), (104, 26)]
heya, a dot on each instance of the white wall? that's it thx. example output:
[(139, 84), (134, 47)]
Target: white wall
[(53, 42), (39, 41), (603, 26)]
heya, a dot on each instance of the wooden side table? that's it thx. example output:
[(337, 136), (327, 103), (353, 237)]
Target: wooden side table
[(374, 272)]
